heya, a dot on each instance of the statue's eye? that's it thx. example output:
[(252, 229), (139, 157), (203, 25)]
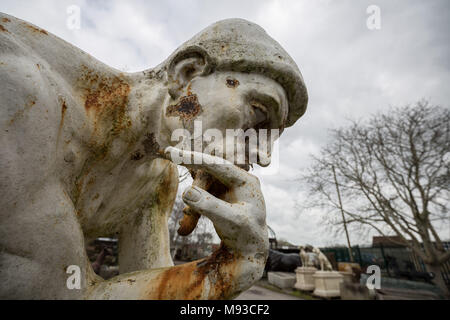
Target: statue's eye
[(259, 112)]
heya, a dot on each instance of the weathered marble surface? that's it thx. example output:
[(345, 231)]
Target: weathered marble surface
[(83, 156)]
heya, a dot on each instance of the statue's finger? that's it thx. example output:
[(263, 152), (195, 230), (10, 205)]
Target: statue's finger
[(223, 170), (201, 201)]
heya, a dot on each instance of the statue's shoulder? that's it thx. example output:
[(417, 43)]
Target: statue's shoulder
[(20, 32)]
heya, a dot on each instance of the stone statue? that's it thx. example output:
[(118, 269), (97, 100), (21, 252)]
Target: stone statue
[(304, 257), (87, 151), (325, 264)]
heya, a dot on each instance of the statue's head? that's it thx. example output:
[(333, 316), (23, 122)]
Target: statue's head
[(232, 75)]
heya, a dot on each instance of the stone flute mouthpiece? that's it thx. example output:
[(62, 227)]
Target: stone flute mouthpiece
[(190, 218)]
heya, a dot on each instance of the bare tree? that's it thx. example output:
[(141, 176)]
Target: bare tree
[(393, 174), (177, 213), (176, 240)]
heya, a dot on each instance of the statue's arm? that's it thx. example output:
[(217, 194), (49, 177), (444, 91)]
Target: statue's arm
[(233, 268), (144, 237), (223, 275)]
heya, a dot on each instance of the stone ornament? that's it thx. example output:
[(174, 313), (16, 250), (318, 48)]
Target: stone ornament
[(304, 257), (325, 264), (326, 281), (305, 279), (87, 152), (327, 284)]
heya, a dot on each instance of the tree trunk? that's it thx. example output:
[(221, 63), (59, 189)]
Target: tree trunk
[(439, 279)]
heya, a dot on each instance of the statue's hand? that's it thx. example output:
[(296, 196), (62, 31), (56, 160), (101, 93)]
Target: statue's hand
[(241, 220)]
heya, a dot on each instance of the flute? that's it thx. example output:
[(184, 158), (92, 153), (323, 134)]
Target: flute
[(190, 218)]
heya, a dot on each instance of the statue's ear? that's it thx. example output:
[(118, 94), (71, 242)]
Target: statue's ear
[(183, 69)]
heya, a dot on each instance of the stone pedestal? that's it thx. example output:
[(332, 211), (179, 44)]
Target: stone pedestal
[(283, 280), (305, 280), (327, 284)]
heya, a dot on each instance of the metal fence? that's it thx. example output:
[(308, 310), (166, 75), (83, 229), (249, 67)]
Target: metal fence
[(382, 256)]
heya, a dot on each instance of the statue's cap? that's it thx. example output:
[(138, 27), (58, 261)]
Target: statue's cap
[(242, 46)]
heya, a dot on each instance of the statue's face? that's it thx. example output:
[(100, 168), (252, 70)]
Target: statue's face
[(228, 100)]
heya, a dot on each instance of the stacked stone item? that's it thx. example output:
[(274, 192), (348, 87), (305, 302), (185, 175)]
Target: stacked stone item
[(324, 282)]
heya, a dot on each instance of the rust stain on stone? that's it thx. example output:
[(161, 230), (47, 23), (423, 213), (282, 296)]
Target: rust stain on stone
[(163, 191), (6, 20), (189, 89), (187, 108), (106, 100), (2, 28), (151, 146), (20, 113), (31, 103), (79, 186), (34, 29), (63, 113), (137, 155), (187, 281), (232, 83)]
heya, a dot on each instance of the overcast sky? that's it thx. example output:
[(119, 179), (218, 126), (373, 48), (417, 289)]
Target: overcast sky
[(349, 70)]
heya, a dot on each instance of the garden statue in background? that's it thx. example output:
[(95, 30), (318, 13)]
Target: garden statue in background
[(325, 264), (304, 274), (326, 281), (304, 257), (88, 151)]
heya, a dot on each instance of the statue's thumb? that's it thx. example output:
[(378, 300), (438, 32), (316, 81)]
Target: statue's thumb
[(192, 195), (190, 218)]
